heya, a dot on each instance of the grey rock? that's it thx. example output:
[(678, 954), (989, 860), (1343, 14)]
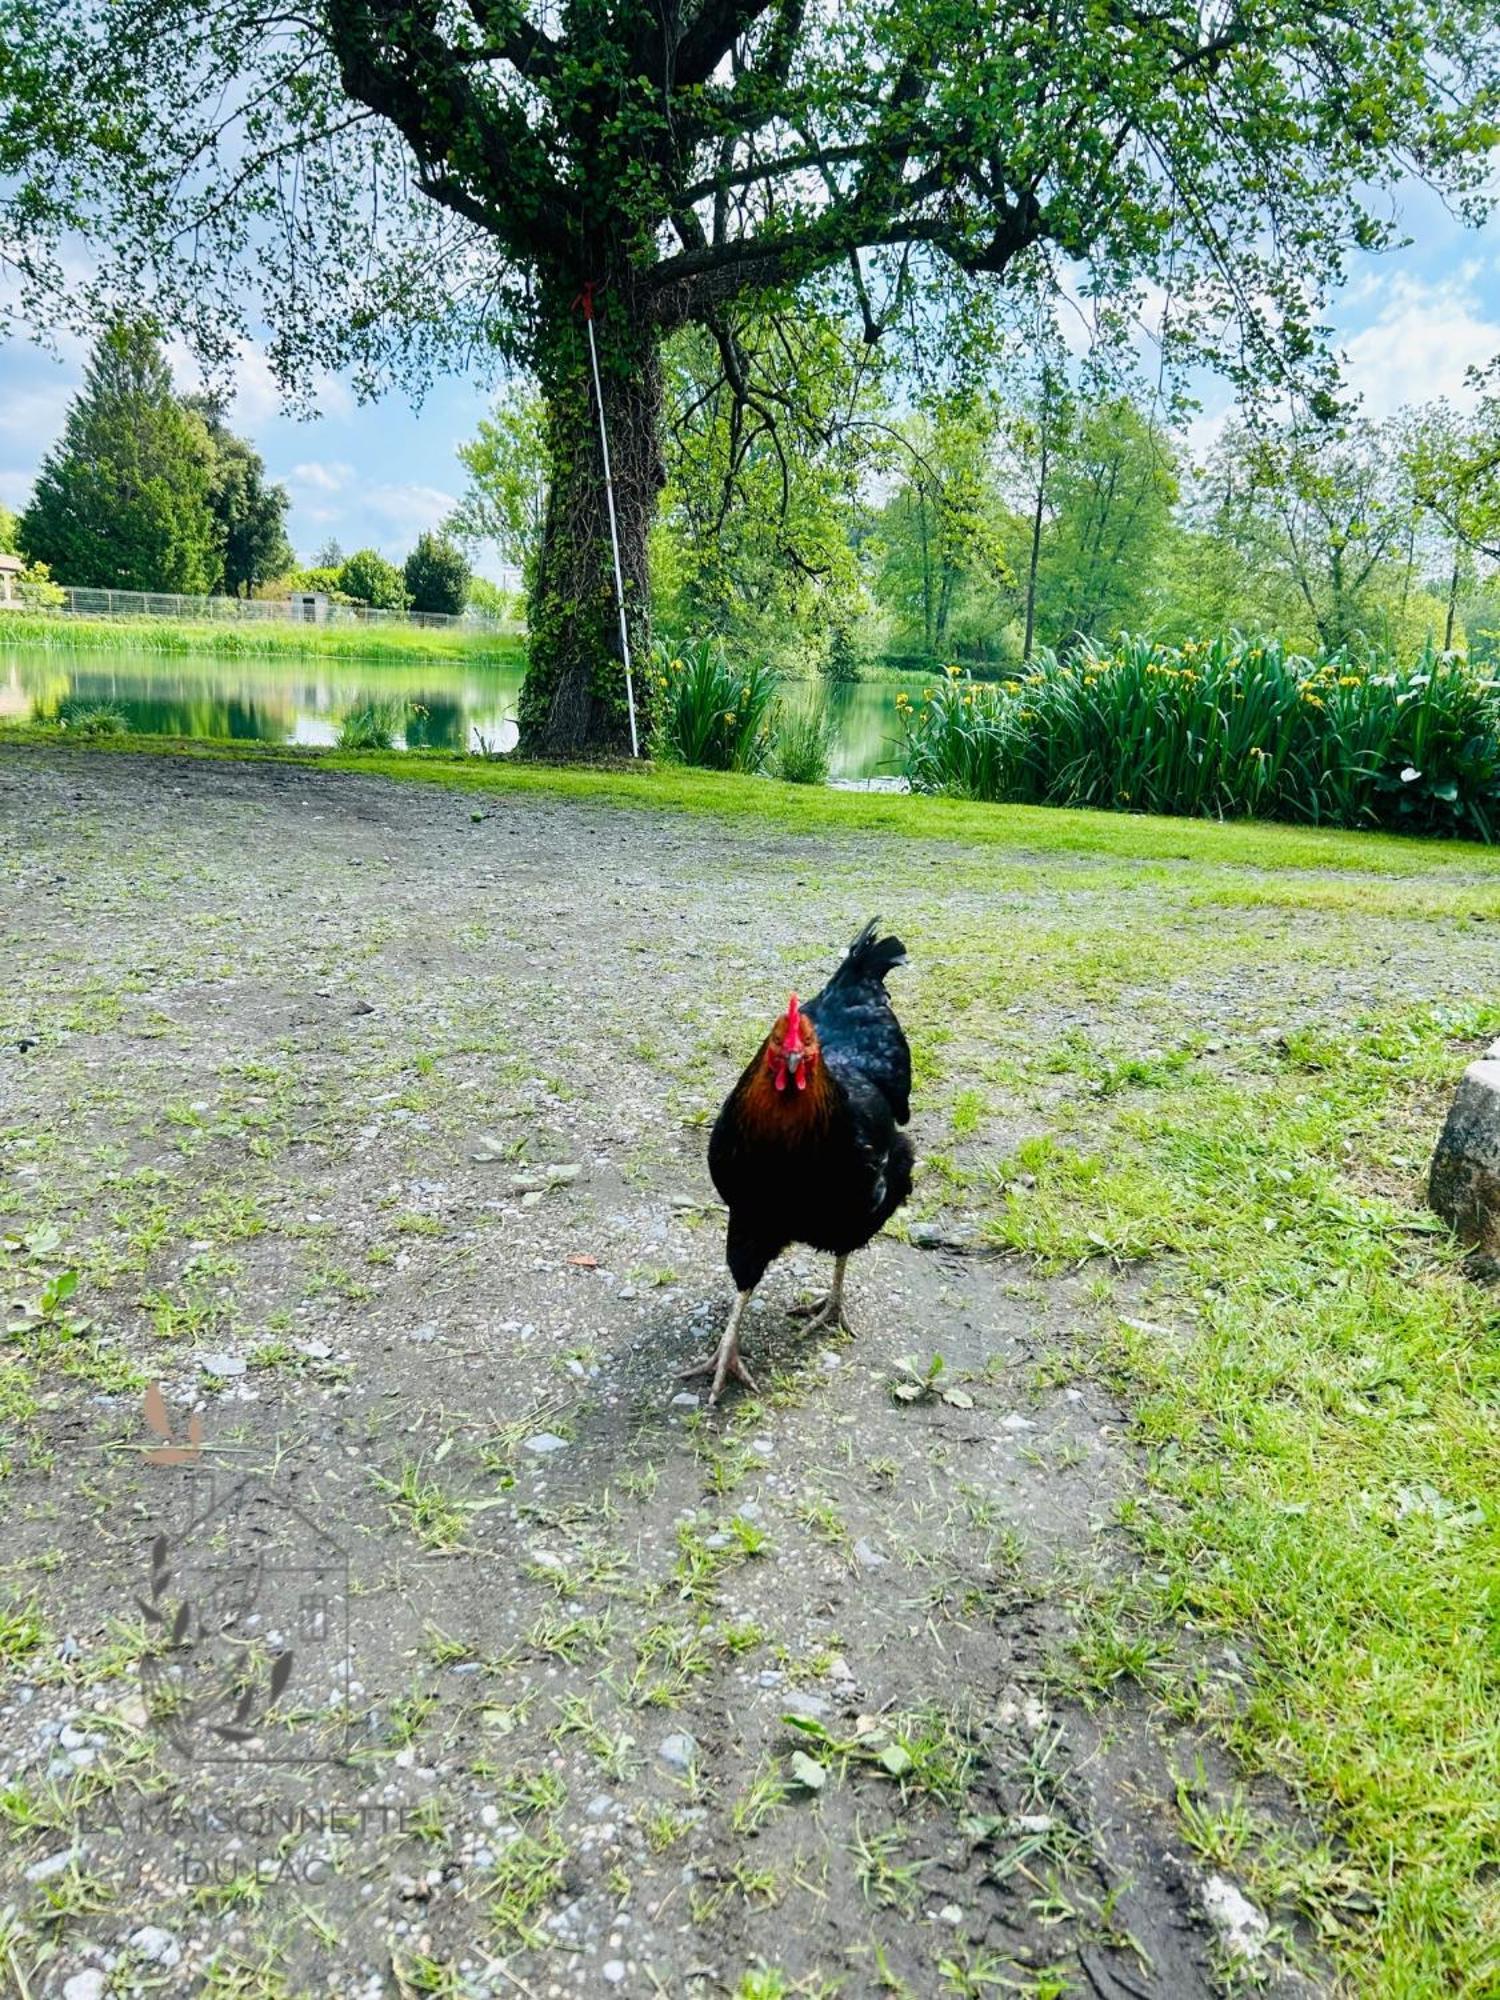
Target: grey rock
[(799, 1702), (224, 1366), (1242, 1928), (868, 1556), (680, 1751), (613, 1970), (545, 1441), (422, 1334), (1463, 1184), (50, 1865), (156, 1946), (84, 1985)]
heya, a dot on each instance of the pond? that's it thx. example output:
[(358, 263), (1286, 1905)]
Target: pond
[(443, 704)]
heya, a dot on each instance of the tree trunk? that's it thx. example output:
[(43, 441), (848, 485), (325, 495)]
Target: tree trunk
[(573, 700), (1454, 580)]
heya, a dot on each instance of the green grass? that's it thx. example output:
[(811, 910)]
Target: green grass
[(1323, 1413), (1128, 838), (260, 639)]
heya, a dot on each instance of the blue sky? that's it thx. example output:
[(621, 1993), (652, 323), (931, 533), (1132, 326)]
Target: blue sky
[(376, 475)]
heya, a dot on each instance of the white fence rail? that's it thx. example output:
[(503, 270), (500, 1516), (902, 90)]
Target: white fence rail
[(81, 602)]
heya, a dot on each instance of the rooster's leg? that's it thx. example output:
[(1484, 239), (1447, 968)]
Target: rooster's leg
[(727, 1361), (829, 1311)]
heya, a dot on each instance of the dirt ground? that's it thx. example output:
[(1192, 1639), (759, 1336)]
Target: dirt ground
[(371, 1118)]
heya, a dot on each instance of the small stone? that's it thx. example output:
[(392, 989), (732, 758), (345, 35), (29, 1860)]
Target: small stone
[(544, 1441), (85, 1985), (799, 1702), (599, 1807), (686, 1400), (1242, 1928), (50, 1865), (868, 1556), (422, 1334), (224, 1366), (680, 1751), (71, 1738), (614, 1970), (951, 1913), (156, 1946), (1015, 1422)]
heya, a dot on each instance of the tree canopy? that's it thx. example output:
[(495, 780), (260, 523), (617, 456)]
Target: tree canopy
[(122, 501), (396, 183)]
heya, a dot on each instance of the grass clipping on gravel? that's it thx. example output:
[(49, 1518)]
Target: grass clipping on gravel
[(1327, 1427)]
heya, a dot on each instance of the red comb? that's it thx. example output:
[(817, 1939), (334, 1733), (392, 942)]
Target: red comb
[(793, 1039)]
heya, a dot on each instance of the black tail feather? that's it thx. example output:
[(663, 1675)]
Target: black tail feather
[(869, 957)]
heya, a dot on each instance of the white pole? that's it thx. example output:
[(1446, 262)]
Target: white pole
[(614, 533)]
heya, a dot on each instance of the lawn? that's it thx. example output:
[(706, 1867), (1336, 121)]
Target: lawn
[(1177, 1087)]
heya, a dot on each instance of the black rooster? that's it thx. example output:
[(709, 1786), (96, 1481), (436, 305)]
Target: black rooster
[(805, 1149)]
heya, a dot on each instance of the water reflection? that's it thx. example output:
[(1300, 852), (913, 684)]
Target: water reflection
[(444, 706)]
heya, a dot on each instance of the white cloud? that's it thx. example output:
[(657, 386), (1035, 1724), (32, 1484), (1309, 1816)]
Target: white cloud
[(321, 476), (407, 510), (1421, 344), (15, 489)]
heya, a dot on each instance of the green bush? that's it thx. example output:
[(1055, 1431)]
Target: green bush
[(709, 712), (374, 725), (802, 748), (368, 578), (1223, 730)]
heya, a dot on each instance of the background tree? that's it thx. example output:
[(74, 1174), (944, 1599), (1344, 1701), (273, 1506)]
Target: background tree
[(368, 578), (122, 502), (942, 538), (9, 532), (391, 182), (1112, 492), (505, 500), (250, 513), (437, 576)]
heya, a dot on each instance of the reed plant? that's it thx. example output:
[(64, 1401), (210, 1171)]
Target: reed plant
[(1225, 729)]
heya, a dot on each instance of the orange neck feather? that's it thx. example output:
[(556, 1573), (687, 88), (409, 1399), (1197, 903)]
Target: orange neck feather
[(787, 1114)]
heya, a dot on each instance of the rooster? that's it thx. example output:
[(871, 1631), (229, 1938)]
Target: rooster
[(805, 1149)]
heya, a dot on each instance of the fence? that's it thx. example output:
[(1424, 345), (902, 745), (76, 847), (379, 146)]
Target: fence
[(230, 610)]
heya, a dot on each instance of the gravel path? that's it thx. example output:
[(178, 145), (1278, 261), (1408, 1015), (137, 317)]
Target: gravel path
[(372, 1117)]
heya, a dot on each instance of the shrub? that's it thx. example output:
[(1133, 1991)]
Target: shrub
[(802, 748), (437, 576), (367, 577), (709, 712), (36, 590), (374, 725), (1228, 729)]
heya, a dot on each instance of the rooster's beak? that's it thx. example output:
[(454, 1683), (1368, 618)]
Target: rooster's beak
[(793, 1058)]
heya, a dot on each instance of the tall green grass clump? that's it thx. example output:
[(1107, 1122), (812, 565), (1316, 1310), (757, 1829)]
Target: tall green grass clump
[(373, 725), (802, 750), (253, 639), (711, 712), (1230, 729)]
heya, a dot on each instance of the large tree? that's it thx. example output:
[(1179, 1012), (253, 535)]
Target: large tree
[(396, 180), (122, 499)]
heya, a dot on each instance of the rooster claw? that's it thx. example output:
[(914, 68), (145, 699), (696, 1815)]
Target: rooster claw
[(721, 1366), (822, 1313)]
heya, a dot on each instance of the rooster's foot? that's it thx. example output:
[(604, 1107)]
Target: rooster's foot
[(823, 1313), (721, 1366)]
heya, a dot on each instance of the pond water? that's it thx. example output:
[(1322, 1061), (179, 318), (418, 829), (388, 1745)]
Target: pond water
[(447, 705)]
